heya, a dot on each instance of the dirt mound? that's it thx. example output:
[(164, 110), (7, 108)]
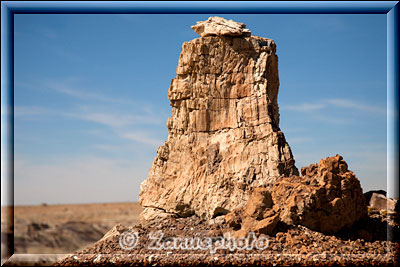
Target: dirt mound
[(291, 245)]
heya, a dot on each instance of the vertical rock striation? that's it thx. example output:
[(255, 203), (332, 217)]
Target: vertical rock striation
[(224, 137)]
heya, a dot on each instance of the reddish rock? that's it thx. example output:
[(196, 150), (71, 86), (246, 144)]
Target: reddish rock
[(326, 198), (259, 201), (256, 216)]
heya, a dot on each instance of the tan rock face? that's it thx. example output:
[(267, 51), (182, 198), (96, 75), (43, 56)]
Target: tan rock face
[(327, 197), (381, 202), (224, 137), (220, 26)]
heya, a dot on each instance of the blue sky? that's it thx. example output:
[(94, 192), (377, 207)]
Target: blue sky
[(91, 97)]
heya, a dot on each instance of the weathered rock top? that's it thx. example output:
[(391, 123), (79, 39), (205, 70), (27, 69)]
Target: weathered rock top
[(220, 27)]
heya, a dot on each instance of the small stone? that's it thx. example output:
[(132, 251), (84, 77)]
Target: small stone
[(220, 27), (150, 258), (97, 258)]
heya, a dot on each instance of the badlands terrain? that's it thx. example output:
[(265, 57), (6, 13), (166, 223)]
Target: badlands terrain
[(63, 229)]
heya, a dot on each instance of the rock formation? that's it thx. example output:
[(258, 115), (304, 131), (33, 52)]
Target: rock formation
[(382, 203), (227, 163), (326, 198), (369, 194), (224, 137)]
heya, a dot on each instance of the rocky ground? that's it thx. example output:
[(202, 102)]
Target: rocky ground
[(364, 244)]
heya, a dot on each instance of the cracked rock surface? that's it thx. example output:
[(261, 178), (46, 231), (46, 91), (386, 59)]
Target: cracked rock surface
[(224, 136)]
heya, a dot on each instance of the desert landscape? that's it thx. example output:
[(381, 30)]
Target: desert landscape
[(63, 229), (224, 188)]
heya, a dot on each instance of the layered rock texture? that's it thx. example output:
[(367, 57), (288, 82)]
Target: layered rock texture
[(224, 137), (326, 198)]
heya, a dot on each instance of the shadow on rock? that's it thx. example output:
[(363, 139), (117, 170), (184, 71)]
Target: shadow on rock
[(372, 228)]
